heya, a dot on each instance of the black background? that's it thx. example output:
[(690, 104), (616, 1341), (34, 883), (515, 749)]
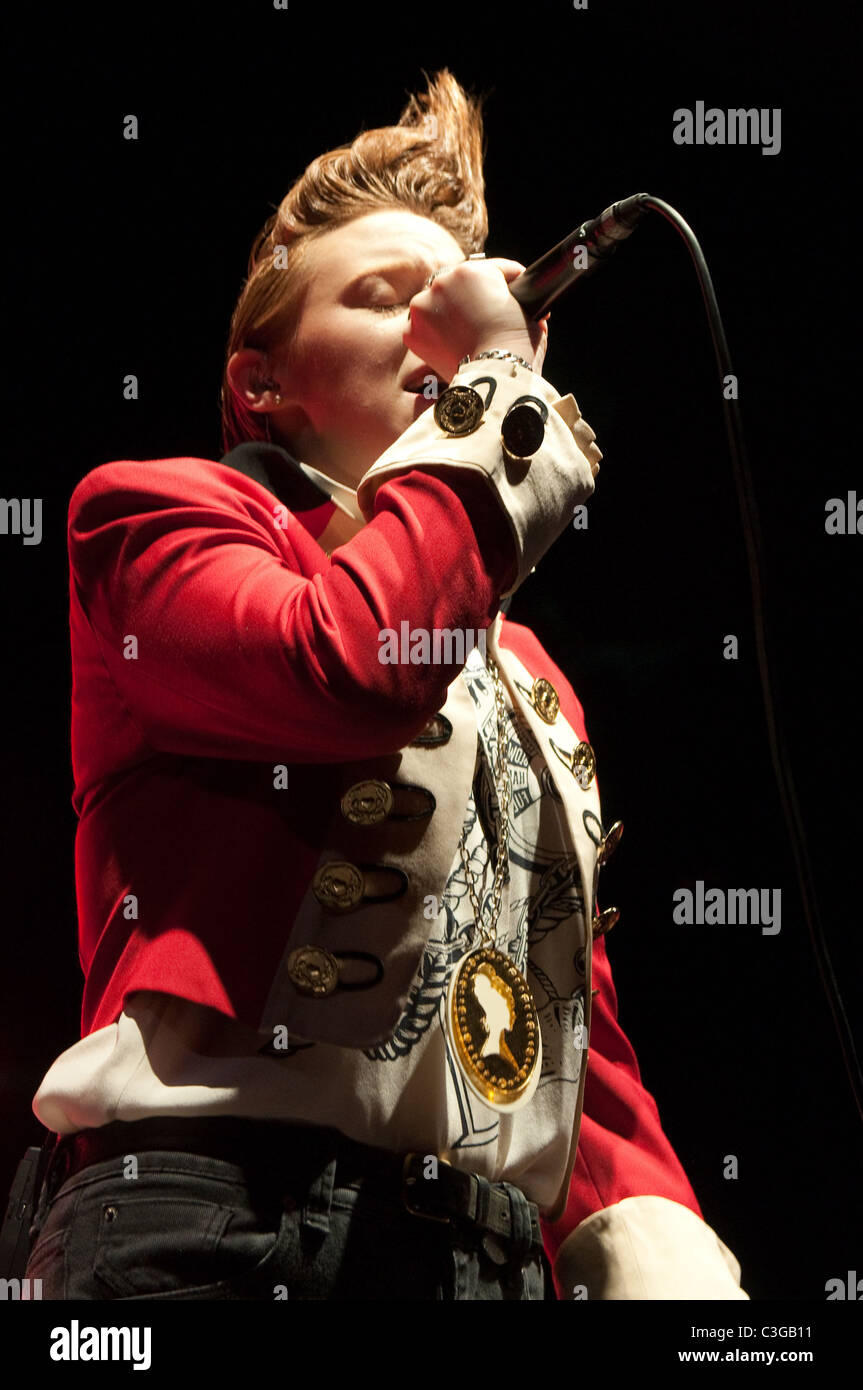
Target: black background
[(128, 257)]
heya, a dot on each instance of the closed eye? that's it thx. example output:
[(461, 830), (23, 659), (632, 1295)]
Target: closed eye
[(387, 308)]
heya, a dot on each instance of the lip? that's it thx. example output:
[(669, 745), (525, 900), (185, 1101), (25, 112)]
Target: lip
[(416, 383), (421, 403)]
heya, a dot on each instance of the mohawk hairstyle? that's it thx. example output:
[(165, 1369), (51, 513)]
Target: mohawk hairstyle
[(429, 164)]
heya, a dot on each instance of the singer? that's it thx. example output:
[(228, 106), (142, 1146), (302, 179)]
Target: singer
[(349, 1026)]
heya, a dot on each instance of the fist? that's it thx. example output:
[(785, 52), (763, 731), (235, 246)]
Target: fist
[(468, 309)]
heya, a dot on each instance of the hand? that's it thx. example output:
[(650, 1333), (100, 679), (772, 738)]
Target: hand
[(468, 309)]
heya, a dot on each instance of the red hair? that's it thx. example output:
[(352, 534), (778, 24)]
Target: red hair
[(429, 164)]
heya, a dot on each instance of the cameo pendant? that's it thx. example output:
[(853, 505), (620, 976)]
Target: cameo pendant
[(493, 1029)]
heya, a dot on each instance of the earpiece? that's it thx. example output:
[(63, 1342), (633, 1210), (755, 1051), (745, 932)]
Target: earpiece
[(269, 385)]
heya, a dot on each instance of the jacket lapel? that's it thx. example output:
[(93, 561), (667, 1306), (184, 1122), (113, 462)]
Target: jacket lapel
[(581, 806)]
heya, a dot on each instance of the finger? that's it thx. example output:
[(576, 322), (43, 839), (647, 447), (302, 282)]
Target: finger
[(509, 269)]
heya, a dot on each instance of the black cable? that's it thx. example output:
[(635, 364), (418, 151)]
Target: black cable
[(778, 755)]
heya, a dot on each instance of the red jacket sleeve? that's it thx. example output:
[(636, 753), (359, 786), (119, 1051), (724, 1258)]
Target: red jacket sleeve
[(249, 642), (622, 1148)]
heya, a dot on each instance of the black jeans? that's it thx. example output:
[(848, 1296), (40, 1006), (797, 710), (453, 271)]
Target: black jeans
[(168, 1224)]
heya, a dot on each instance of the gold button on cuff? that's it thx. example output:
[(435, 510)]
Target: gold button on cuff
[(604, 921), (610, 841), (459, 410), (338, 886), (313, 971), (367, 803), (581, 762)]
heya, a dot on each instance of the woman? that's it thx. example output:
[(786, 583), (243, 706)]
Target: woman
[(339, 825)]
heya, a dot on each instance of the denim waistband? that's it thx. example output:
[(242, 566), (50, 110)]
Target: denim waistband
[(287, 1153)]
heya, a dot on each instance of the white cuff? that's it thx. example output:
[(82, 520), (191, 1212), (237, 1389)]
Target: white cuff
[(537, 496), (646, 1248)]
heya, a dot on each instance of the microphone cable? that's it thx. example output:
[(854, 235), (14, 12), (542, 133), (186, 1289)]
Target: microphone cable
[(754, 552)]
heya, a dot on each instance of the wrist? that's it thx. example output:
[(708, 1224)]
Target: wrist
[(500, 353)]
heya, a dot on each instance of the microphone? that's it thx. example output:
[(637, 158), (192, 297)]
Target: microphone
[(584, 250)]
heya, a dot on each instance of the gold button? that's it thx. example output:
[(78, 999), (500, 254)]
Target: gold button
[(610, 841), (604, 921), (459, 410), (581, 762), (546, 701), (584, 765), (313, 971), (367, 803), (338, 886), (543, 697)]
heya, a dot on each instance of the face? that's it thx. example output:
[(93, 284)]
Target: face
[(348, 376)]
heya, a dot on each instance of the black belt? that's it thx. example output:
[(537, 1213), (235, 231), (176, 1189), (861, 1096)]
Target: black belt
[(288, 1151)]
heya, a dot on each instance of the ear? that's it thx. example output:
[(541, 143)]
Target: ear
[(252, 379), (248, 372)]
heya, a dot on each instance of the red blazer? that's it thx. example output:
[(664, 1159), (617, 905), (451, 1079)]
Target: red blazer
[(213, 639)]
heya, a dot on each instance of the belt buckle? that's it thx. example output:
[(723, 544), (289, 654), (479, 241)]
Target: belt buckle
[(427, 1215)]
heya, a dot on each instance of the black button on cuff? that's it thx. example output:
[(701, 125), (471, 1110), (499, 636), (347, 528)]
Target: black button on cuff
[(523, 429)]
